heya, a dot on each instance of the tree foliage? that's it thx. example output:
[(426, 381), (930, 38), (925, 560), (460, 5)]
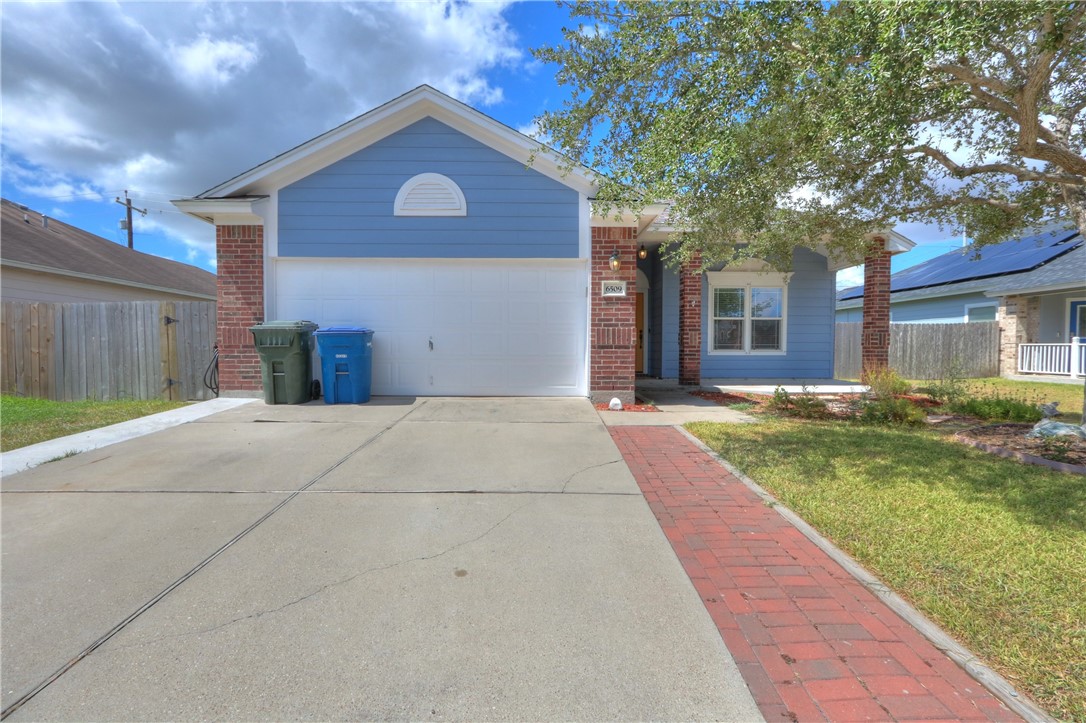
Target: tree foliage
[(775, 123)]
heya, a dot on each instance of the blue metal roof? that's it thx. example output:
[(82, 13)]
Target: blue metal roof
[(1009, 257)]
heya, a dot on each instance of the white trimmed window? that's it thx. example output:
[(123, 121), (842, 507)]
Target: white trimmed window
[(748, 313), (430, 194), (980, 312)]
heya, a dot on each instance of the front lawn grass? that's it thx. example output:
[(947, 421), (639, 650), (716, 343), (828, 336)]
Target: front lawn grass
[(1068, 395), (992, 550), (24, 420)]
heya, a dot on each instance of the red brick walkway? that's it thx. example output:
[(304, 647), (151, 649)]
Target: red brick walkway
[(811, 642)]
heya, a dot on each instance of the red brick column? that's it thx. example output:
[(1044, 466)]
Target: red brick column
[(875, 344), (613, 322), (690, 283), (240, 251)]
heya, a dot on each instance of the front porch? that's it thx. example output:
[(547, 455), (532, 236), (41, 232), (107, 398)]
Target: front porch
[(1065, 360), (648, 387)]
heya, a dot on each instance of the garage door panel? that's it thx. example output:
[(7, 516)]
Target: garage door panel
[(339, 312), (489, 280), (452, 281), (487, 312), (506, 327), (524, 313), (563, 284), (526, 281)]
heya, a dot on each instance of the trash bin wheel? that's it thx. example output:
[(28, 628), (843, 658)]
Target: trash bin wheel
[(316, 389)]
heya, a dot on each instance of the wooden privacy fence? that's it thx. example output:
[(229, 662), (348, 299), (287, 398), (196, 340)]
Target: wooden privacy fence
[(111, 350), (925, 351)]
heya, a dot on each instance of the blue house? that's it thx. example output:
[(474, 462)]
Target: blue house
[(1035, 286), (478, 259)]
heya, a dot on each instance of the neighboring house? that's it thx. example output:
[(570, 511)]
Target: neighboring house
[(476, 257), (1034, 286), (42, 259)]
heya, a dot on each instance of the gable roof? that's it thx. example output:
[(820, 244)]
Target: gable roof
[(370, 127), (71, 251), (1010, 266)]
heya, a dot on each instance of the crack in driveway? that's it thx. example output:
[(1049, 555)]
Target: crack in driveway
[(21, 700), (327, 586)]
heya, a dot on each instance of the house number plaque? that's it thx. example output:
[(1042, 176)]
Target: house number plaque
[(614, 288)]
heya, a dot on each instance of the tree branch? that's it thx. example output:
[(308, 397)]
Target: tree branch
[(1009, 56), (960, 201), (1022, 174)]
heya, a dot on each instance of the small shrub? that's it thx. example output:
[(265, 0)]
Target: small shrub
[(886, 383), (808, 406), (999, 408), (890, 410), (950, 388), (1057, 449), (781, 401), (805, 405)]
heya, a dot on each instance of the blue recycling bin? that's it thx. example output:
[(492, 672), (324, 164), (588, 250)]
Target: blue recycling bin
[(346, 363)]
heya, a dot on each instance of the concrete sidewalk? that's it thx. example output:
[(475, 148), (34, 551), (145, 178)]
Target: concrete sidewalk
[(465, 559)]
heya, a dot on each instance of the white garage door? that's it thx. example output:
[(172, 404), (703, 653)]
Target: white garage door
[(451, 327)]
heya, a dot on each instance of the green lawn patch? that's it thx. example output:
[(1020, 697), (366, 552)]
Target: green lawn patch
[(992, 550), (25, 421), (1068, 395)]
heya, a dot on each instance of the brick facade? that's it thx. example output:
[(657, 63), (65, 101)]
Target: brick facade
[(240, 253), (690, 285), (613, 332), (875, 344), (1019, 323)]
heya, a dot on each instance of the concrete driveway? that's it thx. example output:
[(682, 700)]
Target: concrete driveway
[(406, 559)]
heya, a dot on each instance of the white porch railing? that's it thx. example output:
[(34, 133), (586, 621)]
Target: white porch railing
[(1069, 359)]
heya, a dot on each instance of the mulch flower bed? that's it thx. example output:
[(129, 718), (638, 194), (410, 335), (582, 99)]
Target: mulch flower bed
[(603, 407), (1012, 438), (1008, 440), (724, 398)]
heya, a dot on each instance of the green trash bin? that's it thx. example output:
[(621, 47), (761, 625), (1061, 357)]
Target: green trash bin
[(285, 364)]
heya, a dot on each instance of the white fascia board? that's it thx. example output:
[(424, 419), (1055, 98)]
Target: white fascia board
[(222, 211), (385, 120), (893, 242), (627, 217), (1049, 289), (52, 270)]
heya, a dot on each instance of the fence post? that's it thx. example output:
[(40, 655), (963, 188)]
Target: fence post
[(168, 348), (1076, 356)]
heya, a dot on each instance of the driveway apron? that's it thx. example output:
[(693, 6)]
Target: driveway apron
[(426, 559)]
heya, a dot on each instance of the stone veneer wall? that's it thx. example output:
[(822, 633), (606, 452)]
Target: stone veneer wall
[(1019, 323)]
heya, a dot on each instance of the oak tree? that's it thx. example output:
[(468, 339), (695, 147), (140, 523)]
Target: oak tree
[(771, 124)]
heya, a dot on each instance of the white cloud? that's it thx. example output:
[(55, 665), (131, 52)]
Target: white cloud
[(214, 62), (169, 99), (852, 276), (532, 130)]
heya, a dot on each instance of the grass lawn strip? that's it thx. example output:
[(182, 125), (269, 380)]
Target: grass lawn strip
[(25, 421), (991, 550)]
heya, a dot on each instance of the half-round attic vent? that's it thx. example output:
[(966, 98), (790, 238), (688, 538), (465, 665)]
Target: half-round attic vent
[(430, 194)]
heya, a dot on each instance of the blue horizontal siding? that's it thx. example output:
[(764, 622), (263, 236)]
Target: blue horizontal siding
[(669, 325), (810, 330), (942, 310), (850, 315), (346, 209)]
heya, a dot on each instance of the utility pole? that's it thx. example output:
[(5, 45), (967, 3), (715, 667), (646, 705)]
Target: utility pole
[(127, 203)]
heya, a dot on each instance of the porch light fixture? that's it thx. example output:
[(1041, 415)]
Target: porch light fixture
[(642, 253), (615, 262)]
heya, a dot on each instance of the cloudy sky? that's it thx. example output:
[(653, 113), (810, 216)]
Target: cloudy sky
[(167, 99)]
